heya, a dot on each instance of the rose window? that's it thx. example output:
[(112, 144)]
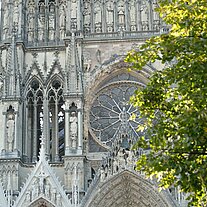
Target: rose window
[(111, 112)]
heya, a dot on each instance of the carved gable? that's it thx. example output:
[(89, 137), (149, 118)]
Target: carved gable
[(42, 187)]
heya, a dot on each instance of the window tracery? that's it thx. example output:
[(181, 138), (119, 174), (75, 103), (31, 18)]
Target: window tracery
[(34, 106), (56, 119), (45, 116), (111, 111)]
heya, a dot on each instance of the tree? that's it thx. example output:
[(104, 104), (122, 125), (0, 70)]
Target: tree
[(174, 103)]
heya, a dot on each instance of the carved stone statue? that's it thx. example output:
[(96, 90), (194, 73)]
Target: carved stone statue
[(133, 14), (73, 9), (115, 166), (156, 18), (47, 190), (102, 174), (73, 129), (130, 158), (6, 18), (10, 131), (41, 27), (51, 27), (27, 198), (16, 13), (120, 157), (62, 16), (53, 195), (51, 22), (97, 13), (31, 22), (42, 175), (31, 26), (110, 12), (86, 13), (34, 190), (144, 16), (58, 200), (121, 13), (62, 33)]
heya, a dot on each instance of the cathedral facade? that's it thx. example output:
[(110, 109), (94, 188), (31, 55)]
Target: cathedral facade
[(65, 127)]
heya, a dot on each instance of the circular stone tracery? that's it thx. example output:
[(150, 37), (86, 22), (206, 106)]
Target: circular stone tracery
[(111, 111)]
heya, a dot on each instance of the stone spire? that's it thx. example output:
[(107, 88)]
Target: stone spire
[(73, 68)]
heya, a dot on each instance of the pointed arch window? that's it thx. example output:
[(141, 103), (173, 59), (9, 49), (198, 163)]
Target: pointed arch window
[(56, 109), (44, 117), (34, 118)]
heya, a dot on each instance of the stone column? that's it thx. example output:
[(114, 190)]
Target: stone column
[(56, 132), (26, 118), (46, 125), (80, 129), (34, 158), (53, 133), (15, 131), (67, 132)]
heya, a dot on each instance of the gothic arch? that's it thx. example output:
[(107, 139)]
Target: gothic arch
[(29, 81), (52, 78), (116, 67), (56, 113), (33, 72), (113, 86), (33, 120), (56, 71), (44, 104), (41, 202), (126, 189)]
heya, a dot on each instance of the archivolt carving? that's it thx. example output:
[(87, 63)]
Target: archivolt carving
[(126, 189), (41, 203)]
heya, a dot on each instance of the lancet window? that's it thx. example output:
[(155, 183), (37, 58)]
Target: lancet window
[(34, 119), (56, 120), (44, 118)]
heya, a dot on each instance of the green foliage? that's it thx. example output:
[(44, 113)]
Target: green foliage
[(174, 103)]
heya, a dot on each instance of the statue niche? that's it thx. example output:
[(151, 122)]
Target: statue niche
[(73, 129), (144, 16), (121, 14), (62, 20), (98, 17), (10, 127), (109, 16), (16, 13), (87, 17)]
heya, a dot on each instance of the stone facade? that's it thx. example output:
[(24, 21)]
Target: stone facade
[(65, 127)]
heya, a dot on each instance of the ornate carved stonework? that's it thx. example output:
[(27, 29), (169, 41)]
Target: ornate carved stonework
[(65, 127)]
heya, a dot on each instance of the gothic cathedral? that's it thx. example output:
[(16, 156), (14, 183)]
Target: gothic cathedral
[(65, 127)]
